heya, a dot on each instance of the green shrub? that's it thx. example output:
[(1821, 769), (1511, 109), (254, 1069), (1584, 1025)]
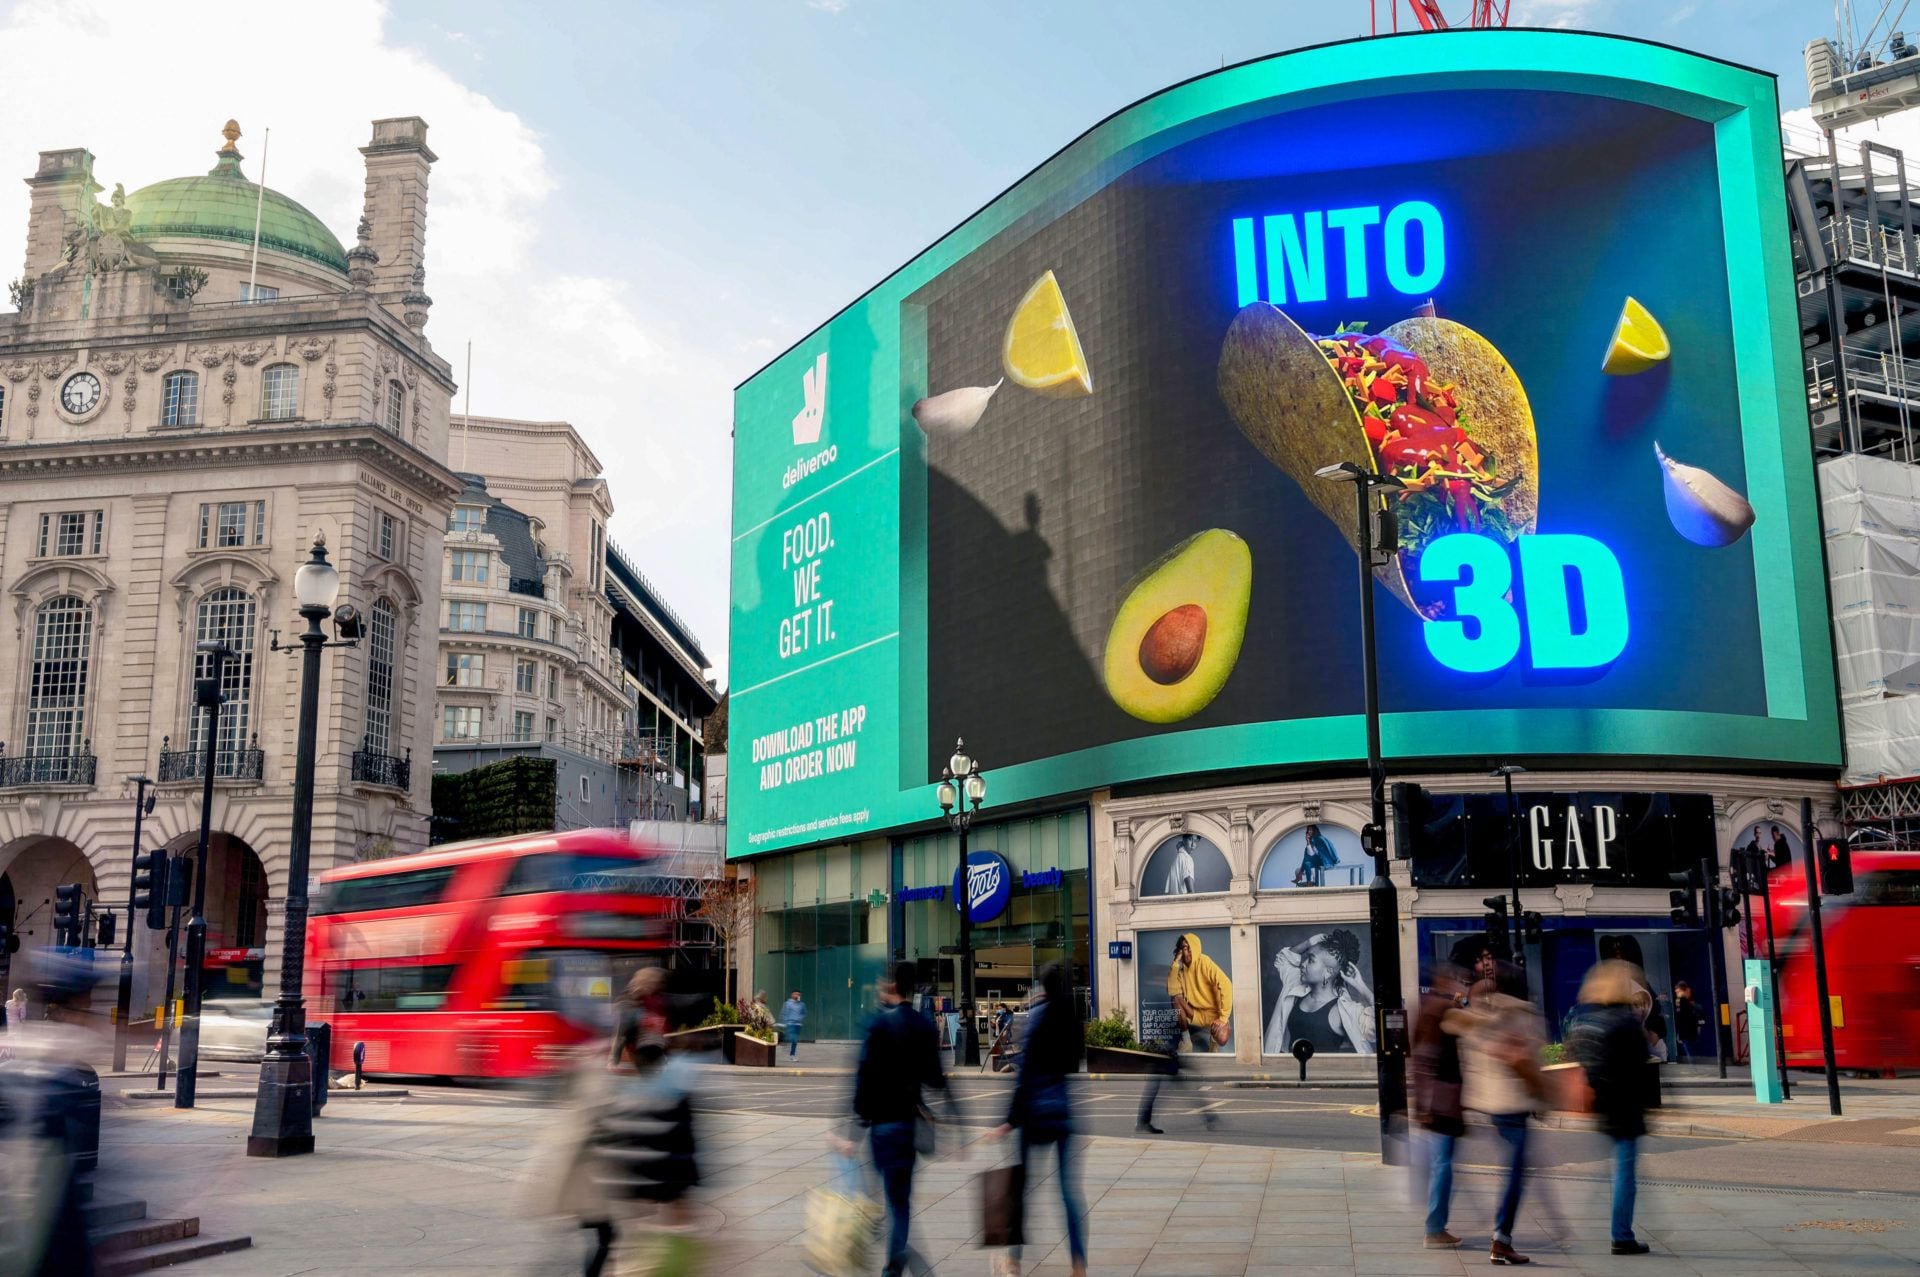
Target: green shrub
[(723, 1013), (1113, 1030), (1554, 1053)]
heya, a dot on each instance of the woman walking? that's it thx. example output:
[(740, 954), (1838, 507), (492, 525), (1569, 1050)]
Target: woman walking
[(1610, 1043), (1041, 1110), (1500, 1041)]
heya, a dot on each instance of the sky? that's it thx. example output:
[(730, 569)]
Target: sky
[(639, 204)]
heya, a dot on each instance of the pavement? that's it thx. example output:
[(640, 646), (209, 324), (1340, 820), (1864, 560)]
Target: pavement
[(438, 1182)]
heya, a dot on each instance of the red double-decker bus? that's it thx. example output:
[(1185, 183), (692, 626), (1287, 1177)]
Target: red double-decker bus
[(483, 959), (1872, 940)]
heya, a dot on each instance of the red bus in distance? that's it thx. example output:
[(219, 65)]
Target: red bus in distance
[(1873, 963), (488, 959)]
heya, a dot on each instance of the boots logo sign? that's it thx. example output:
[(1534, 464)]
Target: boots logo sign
[(809, 422), (989, 886)]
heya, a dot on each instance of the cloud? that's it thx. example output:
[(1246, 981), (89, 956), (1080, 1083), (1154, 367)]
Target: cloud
[(556, 333), (829, 6), (1571, 14)]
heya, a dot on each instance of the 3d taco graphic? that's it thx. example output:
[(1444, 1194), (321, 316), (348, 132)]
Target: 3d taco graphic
[(1428, 400)]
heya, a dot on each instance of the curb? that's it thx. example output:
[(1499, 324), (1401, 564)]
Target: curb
[(228, 1093)]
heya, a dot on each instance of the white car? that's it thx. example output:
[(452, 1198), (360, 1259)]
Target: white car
[(235, 1030)]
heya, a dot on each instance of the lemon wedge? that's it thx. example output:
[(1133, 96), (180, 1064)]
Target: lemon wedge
[(1638, 342), (1042, 351)]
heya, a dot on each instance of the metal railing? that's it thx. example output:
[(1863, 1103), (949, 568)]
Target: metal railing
[(372, 767), (228, 764), (1857, 239), (1868, 371), (47, 769)]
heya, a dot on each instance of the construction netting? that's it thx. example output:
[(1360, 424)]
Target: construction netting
[(1872, 510)]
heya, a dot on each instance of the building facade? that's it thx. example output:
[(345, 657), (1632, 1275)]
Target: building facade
[(182, 414)]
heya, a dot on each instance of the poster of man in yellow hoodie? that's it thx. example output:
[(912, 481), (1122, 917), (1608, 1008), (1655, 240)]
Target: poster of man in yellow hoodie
[(1185, 993)]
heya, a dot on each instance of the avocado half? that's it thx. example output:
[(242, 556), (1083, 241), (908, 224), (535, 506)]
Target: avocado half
[(1178, 631)]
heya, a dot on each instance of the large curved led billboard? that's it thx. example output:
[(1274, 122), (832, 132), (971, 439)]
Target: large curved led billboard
[(1056, 485)]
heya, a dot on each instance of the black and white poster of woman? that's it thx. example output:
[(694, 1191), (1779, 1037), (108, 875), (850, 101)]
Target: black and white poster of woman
[(1316, 985)]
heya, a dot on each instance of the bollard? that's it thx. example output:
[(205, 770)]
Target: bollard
[(1303, 1051), (359, 1062)]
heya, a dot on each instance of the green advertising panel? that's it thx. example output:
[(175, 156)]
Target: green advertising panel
[(1056, 485)]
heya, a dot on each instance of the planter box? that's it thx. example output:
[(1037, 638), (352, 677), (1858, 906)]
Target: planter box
[(1113, 1059), (1567, 1089), (701, 1041), (752, 1053), (728, 1032)]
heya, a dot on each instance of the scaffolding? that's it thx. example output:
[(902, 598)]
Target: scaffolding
[(691, 858)]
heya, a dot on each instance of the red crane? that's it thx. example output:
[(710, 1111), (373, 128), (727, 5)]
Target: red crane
[(1480, 13)]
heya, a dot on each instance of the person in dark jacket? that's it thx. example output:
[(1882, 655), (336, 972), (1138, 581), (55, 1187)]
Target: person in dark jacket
[(1042, 1110), (1436, 1092), (899, 1060), (1609, 1041)]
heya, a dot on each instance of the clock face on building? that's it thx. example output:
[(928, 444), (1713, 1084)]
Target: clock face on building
[(80, 394)]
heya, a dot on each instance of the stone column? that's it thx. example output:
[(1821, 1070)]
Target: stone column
[(398, 163), (59, 189)]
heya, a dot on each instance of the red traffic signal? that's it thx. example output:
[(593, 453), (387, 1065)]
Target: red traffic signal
[(1836, 867)]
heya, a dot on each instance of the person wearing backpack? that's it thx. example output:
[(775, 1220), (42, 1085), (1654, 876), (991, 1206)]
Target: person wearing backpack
[(1500, 1041), (1609, 1041)]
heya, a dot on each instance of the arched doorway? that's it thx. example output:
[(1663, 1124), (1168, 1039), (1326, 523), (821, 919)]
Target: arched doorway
[(30, 868), (236, 916)]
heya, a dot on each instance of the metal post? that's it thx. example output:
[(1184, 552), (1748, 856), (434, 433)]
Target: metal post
[(124, 1004), (208, 696), (1764, 863), (1383, 911), (969, 1045), (1518, 944), (173, 954), (1819, 958), (1716, 957)]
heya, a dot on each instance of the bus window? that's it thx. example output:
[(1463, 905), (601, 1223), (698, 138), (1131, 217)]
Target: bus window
[(561, 871), (1888, 887), (386, 891), (366, 989)]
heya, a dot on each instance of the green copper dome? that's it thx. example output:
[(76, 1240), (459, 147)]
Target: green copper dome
[(220, 206)]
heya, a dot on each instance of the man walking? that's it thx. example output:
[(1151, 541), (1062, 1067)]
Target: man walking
[(793, 1014), (900, 1058)]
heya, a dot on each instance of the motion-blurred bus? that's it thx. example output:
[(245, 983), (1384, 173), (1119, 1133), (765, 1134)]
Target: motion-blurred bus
[(1873, 963), (483, 959)]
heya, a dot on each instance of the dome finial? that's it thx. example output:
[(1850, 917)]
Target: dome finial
[(232, 133)]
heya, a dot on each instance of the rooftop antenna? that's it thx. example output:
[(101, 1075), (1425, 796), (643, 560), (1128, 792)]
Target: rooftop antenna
[(466, 416), (259, 204)]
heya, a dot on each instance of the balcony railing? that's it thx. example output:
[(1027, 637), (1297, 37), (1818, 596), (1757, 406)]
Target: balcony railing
[(228, 764), (532, 587), (371, 767), (1857, 239), (1868, 372), (47, 769)]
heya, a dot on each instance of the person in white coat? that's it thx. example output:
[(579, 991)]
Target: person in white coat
[(1323, 999), (1180, 876)]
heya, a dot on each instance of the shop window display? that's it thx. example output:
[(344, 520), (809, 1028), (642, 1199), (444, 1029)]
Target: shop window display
[(1315, 855), (1185, 865), (1186, 988)]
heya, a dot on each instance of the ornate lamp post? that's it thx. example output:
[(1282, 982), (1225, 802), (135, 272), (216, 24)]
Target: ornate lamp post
[(283, 1108), (962, 789)]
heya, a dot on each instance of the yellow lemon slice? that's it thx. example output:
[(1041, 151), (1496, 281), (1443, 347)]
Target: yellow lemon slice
[(1042, 351), (1638, 342)]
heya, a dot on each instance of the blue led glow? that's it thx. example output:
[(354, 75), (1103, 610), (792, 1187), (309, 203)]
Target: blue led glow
[(1487, 637), (1486, 634), (1294, 249)]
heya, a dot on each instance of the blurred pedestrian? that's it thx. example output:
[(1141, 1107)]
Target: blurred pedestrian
[(17, 1009), (899, 1061), (1437, 1105), (1686, 1020), (1042, 1109), (1608, 1040), (793, 1014), (1500, 1048), (1168, 1073)]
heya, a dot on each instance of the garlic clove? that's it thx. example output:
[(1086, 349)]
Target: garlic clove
[(1702, 509), (954, 413)]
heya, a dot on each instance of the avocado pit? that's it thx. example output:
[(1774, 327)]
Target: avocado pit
[(1171, 647)]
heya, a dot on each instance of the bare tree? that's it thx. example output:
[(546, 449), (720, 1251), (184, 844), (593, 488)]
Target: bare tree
[(726, 905)]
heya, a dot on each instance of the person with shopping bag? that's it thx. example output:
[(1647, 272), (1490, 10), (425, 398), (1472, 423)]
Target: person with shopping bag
[(1042, 1108)]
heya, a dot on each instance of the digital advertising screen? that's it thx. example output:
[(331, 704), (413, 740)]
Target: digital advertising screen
[(1076, 483)]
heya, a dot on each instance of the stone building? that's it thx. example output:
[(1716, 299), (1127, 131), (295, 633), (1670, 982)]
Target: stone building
[(185, 405)]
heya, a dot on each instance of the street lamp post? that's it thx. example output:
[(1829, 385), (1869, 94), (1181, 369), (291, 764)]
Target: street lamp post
[(962, 789), (1383, 909), (207, 697), (1517, 943), (283, 1107)]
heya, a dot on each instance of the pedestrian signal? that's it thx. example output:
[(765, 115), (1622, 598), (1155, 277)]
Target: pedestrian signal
[(150, 887), (1836, 867), (1729, 907), (1685, 912), (66, 915)]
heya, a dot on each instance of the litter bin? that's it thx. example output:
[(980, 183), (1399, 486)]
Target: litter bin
[(320, 1054)]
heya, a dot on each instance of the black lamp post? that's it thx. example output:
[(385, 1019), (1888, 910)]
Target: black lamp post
[(123, 1004), (962, 789), (206, 694), (1517, 945), (283, 1107), (1383, 909)]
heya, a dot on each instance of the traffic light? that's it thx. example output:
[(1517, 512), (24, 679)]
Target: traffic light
[(179, 881), (1836, 867), (1495, 923), (1531, 929), (1685, 913), (66, 914), (150, 887), (1729, 906), (104, 928)]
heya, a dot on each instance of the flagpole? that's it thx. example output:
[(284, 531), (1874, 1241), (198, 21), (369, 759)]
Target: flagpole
[(259, 204)]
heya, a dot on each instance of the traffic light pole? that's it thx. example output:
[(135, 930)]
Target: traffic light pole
[(1716, 960), (166, 1008), (124, 1004), (208, 696), (1819, 958), (1763, 866)]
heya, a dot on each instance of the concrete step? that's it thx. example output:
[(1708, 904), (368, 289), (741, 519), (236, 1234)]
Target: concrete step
[(141, 1233), (99, 1214), (147, 1258)]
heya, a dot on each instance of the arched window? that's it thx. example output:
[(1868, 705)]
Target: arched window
[(381, 627), (1315, 855), (57, 686), (180, 399), (1185, 865), (280, 393), (225, 616), (396, 402)]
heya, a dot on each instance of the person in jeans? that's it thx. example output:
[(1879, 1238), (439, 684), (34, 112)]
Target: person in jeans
[(1436, 1095), (1608, 1041), (793, 1014), (1042, 1110), (899, 1059), (1500, 1041), (1686, 1020)]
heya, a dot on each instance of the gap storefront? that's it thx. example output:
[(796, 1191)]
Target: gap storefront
[(829, 918)]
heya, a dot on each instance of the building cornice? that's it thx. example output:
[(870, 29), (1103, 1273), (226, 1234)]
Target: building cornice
[(300, 444)]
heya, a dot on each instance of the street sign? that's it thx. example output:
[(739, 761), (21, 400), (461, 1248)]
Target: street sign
[(1122, 949)]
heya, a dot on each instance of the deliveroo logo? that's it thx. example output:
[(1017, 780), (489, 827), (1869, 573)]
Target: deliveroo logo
[(812, 416), (989, 886)]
